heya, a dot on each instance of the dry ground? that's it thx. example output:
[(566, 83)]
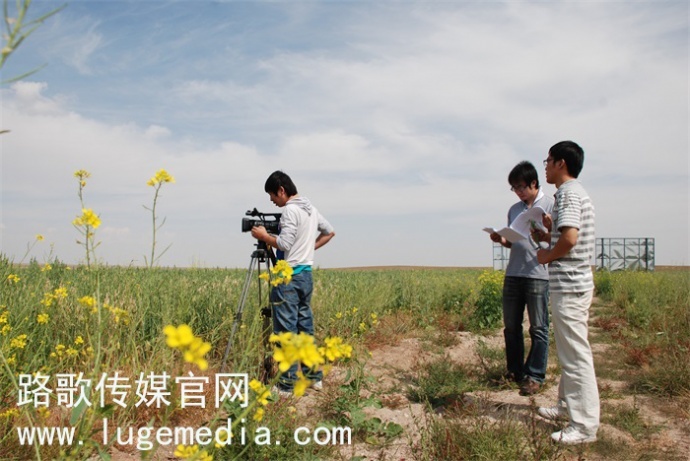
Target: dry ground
[(391, 366)]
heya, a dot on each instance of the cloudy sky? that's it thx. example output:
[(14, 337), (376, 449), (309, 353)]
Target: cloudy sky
[(400, 120)]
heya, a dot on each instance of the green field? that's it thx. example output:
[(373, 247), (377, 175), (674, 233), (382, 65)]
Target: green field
[(57, 320)]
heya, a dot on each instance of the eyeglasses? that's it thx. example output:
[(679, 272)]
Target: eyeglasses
[(519, 188), (550, 159)]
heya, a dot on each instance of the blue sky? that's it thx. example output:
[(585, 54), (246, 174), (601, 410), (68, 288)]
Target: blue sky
[(400, 120)]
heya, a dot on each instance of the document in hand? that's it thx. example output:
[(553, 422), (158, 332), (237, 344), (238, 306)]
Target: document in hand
[(521, 226)]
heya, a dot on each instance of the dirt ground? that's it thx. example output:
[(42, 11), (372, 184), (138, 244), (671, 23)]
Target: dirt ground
[(390, 365)]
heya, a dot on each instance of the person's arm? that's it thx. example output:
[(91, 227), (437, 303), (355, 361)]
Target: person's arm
[(326, 232), (565, 243), (323, 239)]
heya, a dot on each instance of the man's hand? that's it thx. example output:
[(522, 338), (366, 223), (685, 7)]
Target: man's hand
[(544, 256), (547, 221), (496, 237), (260, 233)]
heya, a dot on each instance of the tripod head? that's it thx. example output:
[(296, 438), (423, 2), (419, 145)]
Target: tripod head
[(264, 253)]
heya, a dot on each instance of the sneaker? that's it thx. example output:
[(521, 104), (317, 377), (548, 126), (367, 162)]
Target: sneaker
[(529, 386), (317, 386), (572, 436), (280, 392), (553, 413)]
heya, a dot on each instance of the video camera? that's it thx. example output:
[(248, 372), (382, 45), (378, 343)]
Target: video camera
[(272, 226)]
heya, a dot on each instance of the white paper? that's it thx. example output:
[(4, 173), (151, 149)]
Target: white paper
[(521, 226)]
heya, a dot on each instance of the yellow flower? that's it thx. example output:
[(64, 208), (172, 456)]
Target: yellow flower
[(42, 318), (185, 452), (339, 315), (39, 237), (88, 219), (5, 329), (60, 293), (295, 348), (281, 274), (262, 394), (335, 349), (79, 340), (193, 348), (259, 414), (9, 413), (46, 268), (161, 176), (82, 174), (301, 385), (178, 337), (195, 353), (362, 327), (12, 360), (19, 342), (87, 301), (13, 278), (71, 352), (374, 319)]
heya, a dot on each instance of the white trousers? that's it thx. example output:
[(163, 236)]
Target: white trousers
[(578, 384)]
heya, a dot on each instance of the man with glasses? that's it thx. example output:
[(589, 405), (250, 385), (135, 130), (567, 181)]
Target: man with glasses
[(526, 283), (571, 285)]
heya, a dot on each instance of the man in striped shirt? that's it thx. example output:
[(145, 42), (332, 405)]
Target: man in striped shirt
[(571, 285)]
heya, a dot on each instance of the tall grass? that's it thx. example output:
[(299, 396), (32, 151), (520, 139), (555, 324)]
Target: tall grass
[(55, 319), (648, 314)]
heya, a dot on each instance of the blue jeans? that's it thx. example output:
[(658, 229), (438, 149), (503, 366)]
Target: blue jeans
[(292, 312), (518, 291)]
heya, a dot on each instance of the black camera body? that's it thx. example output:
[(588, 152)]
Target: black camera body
[(272, 225)]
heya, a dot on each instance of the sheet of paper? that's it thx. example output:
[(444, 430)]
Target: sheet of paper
[(521, 226), (510, 234)]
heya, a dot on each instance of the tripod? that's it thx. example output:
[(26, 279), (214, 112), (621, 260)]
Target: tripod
[(262, 255)]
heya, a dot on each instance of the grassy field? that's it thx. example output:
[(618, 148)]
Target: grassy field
[(61, 323)]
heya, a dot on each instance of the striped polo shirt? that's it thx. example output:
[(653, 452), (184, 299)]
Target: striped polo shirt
[(573, 208)]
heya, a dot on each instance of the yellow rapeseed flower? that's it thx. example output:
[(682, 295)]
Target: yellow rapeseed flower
[(295, 348), (47, 267), (335, 349), (262, 393), (39, 237), (10, 413), (301, 385), (42, 318), (88, 219), (185, 452), (259, 414), (161, 176), (193, 348), (87, 301), (79, 340), (82, 174), (13, 278), (18, 342), (178, 337)]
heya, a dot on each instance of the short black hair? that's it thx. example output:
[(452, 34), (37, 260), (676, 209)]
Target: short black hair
[(278, 179), (523, 172), (571, 153)]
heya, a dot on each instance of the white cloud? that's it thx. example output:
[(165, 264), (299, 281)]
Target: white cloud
[(401, 123)]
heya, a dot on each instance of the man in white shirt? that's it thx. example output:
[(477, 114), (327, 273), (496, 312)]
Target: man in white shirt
[(302, 231)]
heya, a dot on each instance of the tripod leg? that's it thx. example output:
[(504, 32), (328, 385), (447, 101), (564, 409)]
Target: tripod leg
[(240, 308)]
